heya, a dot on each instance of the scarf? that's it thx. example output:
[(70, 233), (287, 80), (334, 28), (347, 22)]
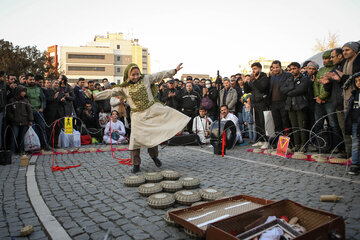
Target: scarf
[(348, 66), (128, 69)]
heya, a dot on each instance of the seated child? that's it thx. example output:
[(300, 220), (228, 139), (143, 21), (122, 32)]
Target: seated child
[(114, 131)]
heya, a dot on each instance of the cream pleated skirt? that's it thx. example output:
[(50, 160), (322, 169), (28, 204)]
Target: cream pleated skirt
[(155, 125)]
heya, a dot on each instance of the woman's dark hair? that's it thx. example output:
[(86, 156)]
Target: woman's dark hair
[(117, 113), (64, 79)]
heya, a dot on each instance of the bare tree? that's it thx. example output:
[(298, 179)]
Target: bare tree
[(331, 42)]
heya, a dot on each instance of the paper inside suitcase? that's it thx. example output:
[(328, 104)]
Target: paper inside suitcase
[(318, 224), (198, 218)]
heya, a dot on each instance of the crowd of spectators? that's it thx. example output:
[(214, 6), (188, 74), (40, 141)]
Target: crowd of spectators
[(305, 102)]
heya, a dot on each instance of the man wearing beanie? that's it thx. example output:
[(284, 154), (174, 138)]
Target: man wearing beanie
[(323, 105)]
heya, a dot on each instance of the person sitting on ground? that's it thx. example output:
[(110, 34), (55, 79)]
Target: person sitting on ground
[(226, 116), (115, 130), (201, 126)]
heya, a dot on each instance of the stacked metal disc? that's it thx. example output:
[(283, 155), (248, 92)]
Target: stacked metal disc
[(190, 182), (171, 186), (153, 177), (161, 200), (170, 174), (210, 194), (167, 217), (134, 181), (187, 197), (148, 189)]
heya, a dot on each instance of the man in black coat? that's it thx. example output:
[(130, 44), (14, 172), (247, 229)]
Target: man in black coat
[(189, 103), (258, 86), (297, 104), (169, 95), (277, 96)]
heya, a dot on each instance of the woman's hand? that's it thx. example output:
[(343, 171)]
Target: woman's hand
[(179, 67)]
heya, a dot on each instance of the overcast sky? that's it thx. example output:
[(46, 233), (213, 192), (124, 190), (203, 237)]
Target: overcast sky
[(205, 35)]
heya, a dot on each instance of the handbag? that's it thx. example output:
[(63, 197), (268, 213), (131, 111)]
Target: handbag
[(207, 103)]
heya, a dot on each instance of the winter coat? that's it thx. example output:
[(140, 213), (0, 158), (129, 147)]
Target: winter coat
[(170, 101), (285, 78), (79, 101), (353, 112), (2, 96), (36, 97), (297, 93), (189, 101), (19, 111), (231, 98), (335, 88), (319, 90), (54, 108), (68, 103), (259, 89)]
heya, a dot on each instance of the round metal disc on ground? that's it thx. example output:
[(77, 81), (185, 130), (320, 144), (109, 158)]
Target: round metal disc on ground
[(92, 149), (191, 233), (187, 197), (190, 182), (153, 177), (209, 194), (319, 158), (167, 217), (161, 200), (257, 150), (170, 174), (338, 160), (148, 189), (171, 186), (134, 181), (268, 151), (299, 155), (198, 203), (61, 151)]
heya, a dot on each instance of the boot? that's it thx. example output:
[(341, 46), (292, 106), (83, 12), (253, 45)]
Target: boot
[(157, 162), (135, 169)]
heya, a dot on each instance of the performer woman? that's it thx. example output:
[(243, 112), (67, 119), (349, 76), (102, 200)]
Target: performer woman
[(151, 122)]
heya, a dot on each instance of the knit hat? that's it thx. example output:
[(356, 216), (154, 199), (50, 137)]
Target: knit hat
[(246, 96), (353, 45), (326, 54), (314, 64)]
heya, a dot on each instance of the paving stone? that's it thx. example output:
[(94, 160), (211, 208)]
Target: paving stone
[(83, 236)]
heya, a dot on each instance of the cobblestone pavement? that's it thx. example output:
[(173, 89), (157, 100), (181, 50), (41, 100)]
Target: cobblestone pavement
[(16, 210), (91, 199)]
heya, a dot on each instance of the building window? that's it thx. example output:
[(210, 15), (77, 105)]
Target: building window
[(118, 46), (86, 56), (118, 70), (81, 68), (118, 58)]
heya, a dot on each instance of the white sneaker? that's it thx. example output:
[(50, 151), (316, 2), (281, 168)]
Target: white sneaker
[(258, 144), (265, 145)]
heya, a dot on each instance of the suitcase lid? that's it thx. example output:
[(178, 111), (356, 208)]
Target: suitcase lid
[(198, 218)]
